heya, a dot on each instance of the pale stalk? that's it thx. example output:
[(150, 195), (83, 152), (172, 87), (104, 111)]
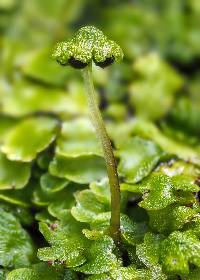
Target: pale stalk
[(111, 166)]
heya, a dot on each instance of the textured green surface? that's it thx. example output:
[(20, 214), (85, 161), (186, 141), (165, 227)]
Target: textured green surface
[(87, 44), (150, 103), (15, 243), (100, 257), (39, 271), (67, 248), (178, 250), (179, 216)]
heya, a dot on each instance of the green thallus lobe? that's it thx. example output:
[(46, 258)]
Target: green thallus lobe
[(90, 44)]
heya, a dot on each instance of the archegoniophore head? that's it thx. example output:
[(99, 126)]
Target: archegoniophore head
[(89, 44)]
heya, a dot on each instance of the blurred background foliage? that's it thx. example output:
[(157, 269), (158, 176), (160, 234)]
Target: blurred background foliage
[(158, 79), (47, 142)]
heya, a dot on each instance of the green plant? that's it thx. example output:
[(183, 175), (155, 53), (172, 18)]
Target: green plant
[(90, 44), (55, 202)]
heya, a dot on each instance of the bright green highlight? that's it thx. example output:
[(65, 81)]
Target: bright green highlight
[(89, 43)]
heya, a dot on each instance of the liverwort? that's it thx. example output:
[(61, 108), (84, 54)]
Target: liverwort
[(90, 45)]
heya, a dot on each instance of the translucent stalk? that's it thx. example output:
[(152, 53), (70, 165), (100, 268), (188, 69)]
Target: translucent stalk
[(111, 166)]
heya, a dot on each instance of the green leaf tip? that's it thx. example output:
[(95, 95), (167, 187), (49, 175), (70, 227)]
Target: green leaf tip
[(89, 43)]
